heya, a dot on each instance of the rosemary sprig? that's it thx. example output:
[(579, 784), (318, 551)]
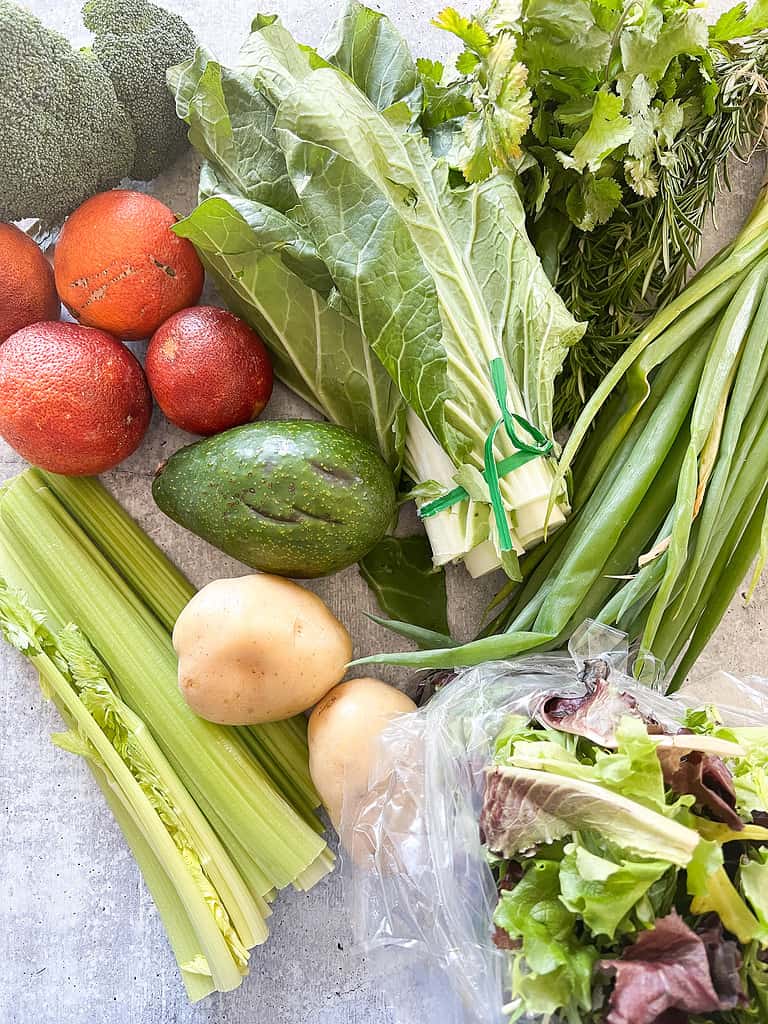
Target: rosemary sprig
[(615, 276)]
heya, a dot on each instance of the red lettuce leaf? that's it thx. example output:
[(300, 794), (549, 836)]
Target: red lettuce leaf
[(593, 714), (671, 968), (707, 778)]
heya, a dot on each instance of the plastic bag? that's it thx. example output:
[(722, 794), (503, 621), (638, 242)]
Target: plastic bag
[(416, 879)]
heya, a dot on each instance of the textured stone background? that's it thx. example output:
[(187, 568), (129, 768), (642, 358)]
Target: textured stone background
[(80, 941)]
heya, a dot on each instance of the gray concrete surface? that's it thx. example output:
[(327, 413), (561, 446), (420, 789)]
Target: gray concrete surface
[(80, 941)]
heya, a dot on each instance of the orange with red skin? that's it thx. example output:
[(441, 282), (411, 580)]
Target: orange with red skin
[(27, 289), (119, 266), (73, 399), (208, 370)]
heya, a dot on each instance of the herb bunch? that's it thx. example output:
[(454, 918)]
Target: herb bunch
[(619, 118)]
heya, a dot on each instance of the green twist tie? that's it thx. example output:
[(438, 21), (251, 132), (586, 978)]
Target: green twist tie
[(493, 470)]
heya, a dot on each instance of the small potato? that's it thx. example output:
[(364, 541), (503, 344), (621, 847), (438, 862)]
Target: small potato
[(257, 649), (342, 732)]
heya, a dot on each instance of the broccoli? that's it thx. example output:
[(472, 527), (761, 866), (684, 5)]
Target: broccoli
[(77, 122), (136, 42), (64, 134)]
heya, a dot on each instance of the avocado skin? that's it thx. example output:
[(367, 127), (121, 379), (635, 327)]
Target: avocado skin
[(296, 498)]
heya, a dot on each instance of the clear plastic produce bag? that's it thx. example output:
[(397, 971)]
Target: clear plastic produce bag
[(416, 878)]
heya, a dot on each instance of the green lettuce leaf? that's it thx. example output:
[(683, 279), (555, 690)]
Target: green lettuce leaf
[(633, 770), (553, 969), (713, 891), (524, 807), (603, 892), (753, 882)]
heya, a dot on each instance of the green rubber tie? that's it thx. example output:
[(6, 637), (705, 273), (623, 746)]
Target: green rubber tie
[(493, 471)]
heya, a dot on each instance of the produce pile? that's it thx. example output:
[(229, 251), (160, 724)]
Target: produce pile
[(482, 280)]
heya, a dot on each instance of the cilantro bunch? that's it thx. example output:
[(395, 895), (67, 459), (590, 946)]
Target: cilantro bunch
[(619, 117)]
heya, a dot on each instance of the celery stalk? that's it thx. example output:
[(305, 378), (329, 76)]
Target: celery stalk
[(165, 825), (138, 559), (268, 841)]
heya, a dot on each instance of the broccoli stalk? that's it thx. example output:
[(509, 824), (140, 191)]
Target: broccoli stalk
[(77, 122)]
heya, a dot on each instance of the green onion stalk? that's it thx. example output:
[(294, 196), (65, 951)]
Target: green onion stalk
[(670, 490), (218, 819)]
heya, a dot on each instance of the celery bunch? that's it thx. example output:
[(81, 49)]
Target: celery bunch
[(218, 819)]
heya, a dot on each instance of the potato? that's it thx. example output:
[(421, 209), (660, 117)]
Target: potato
[(257, 649), (343, 730)]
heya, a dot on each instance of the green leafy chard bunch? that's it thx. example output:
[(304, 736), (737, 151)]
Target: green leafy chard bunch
[(619, 117)]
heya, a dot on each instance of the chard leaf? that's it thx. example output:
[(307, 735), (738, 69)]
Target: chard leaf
[(249, 234), (466, 282), (231, 124), (524, 807), (261, 262), (366, 46), (400, 573), (602, 892)]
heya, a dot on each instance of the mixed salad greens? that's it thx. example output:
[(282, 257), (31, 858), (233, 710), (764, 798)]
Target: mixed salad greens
[(631, 861)]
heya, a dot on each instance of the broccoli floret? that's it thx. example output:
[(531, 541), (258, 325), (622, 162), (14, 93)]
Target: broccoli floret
[(64, 135), (136, 42)]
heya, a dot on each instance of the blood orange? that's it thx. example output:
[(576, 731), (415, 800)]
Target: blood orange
[(121, 268), (73, 400), (208, 370), (27, 290)]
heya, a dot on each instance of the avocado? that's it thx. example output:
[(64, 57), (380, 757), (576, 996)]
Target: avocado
[(296, 498)]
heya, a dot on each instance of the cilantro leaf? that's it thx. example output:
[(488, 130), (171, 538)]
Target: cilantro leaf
[(739, 22), (468, 30), (431, 69), (593, 201), (608, 130), (650, 48), (467, 62)]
